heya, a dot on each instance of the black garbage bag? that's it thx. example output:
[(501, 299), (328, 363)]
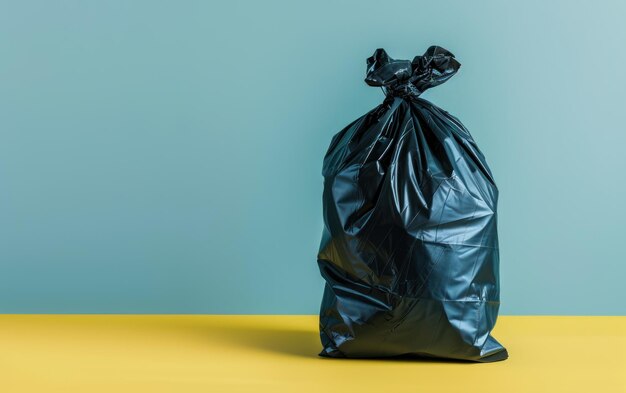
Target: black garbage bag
[(409, 250)]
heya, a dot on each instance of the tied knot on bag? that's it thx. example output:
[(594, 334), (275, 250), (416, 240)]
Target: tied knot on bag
[(404, 78)]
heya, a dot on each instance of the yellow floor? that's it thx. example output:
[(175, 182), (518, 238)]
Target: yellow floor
[(214, 354)]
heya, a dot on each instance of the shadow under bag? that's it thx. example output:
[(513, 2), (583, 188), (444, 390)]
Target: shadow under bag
[(409, 249)]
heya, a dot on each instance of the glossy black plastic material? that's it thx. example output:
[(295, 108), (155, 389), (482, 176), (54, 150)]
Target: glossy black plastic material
[(409, 249)]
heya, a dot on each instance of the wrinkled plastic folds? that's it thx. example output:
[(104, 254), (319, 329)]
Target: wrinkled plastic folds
[(409, 250)]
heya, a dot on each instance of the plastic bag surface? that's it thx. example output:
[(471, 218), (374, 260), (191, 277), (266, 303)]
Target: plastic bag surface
[(409, 250)]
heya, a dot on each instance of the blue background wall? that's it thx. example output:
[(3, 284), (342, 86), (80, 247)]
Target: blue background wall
[(165, 157)]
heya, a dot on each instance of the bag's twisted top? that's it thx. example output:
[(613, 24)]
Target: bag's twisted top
[(402, 78)]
